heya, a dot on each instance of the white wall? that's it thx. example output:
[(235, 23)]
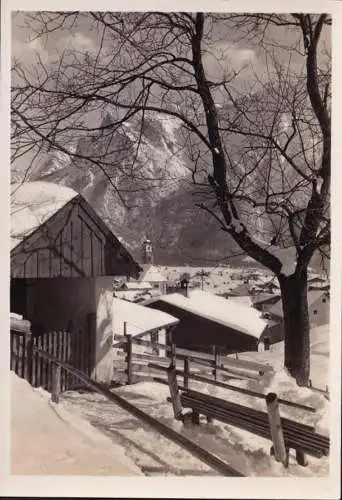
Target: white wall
[(104, 314)]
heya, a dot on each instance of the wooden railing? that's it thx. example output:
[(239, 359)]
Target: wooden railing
[(57, 368), (202, 362), (192, 365)]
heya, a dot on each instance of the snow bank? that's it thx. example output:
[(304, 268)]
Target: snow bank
[(48, 439), (32, 204)]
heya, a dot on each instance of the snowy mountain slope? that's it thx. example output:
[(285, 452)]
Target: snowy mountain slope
[(151, 170)]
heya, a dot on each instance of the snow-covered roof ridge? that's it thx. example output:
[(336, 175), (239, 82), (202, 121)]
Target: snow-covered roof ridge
[(32, 204), (226, 312), (139, 319)]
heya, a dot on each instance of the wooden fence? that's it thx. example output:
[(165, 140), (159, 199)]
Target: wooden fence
[(135, 366), (71, 347), (191, 365), (57, 366)]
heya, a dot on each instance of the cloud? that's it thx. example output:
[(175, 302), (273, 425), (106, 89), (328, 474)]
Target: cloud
[(26, 51), (223, 57), (79, 41)]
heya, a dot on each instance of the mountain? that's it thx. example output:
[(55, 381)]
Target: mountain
[(156, 186), (159, 196)]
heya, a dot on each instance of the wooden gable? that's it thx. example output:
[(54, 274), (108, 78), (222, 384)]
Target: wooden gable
[(74, 242)]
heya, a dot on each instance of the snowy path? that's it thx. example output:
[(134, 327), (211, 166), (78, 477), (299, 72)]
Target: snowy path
[(47, 439), (155, 455)]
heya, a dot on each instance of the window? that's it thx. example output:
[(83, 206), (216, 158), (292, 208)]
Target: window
[(315, 311)]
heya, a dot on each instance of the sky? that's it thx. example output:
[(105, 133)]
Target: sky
[(226, 50)]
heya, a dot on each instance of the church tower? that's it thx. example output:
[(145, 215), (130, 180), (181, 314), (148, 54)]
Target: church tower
[(147, 252)]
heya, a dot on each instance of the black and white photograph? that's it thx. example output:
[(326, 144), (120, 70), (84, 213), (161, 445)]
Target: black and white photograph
[(171, 256)]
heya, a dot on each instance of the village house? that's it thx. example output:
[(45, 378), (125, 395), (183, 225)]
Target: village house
[(64, 260), (206, 320), (264, 301), (319, 312)]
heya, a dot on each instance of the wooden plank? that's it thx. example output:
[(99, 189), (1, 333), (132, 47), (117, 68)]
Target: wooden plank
[(142, 369), (16, 353), (35, 362), (54, 349), (57, 350), (56, 382), (174, 393), (65, 358), (142, 377), (28, 357), (150, 357), (248, 365), (12, 334), (46, 363), (186, 372), (194, 354), (39, 363), (129, 360), (280, 452), (215, 362)]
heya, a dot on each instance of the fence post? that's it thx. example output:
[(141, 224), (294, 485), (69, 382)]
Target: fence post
[(186, 372), (155, 341), (56, 382), (215, 362), (301, 458), (173, 355), (280, 452), (28, 356), (175, 397), (129, 359)]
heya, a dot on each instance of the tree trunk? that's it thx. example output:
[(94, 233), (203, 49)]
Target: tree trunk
[(296, 326)]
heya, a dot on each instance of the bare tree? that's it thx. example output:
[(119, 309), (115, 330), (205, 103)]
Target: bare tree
[(261, 159)]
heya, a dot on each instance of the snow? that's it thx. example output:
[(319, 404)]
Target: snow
[(32, 204), (138, 319), (16, 316), (155, 455), (319, 185), (223, 311), (137, 285), (152, 274), (49, 439)]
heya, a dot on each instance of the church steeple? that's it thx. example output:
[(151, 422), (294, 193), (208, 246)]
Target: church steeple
[(147, 252)]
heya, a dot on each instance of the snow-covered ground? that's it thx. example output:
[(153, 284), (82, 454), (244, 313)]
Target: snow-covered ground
[(155, 455), (49, 439)]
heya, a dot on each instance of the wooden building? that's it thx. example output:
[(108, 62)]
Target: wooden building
[(207, 320), (318, 304), (63, 262)]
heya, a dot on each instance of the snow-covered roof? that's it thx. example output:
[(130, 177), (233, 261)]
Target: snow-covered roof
[(226, 312), (152, 274), (139, 319), (137, 285), (32, 204), (264, 297)]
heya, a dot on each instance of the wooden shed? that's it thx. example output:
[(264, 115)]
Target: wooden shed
[(64, 259), (207, 320)]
